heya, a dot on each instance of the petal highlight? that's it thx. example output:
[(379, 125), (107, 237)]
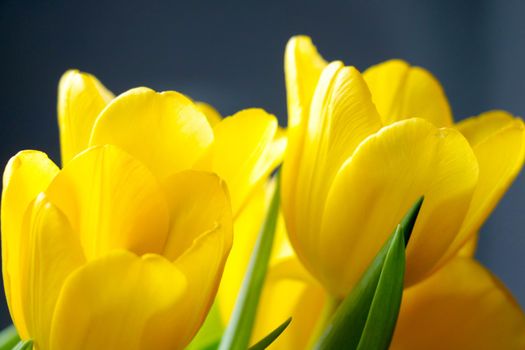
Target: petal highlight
[(81, 97), (26, 175), (213, 116), (342, 115), (173, 133), (302, 68)]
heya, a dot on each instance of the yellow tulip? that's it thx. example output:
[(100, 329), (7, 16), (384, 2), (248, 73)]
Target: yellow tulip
[(89, 250), (124, 247), (485, 314), (242, 149), (460, 306), (363, 148)]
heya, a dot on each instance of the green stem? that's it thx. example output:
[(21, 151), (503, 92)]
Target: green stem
[(238, 332), (330, 306)]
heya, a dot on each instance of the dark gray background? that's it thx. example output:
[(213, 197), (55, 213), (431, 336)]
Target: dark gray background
[(230, 54)]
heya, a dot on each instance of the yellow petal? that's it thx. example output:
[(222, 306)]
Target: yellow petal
[(199, 242), (244, 152), (50, 251), (468, 249), (289, 292), (81, 97), (400, 91), (198, 203), (302, 68), (462, 306), (163, 130), (112, 201), (213, 116), (498, 141), (342, 115), (477, 129), (203, 264), (375, 188), (26, 175), (120, 301)]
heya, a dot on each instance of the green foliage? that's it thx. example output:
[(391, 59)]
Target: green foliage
[(210, 333), (239, 330), (367, 317), (8, 338), (24, 345), (270, 338)]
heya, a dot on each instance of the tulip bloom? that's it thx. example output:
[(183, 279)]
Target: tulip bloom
[(363, 148), (125, 246), (460, 306), (242, 149)]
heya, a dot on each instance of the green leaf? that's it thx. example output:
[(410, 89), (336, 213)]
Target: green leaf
[(210, 333), (8, 338), (24, 345), (367, 317), (408, 222), (212, 346), (270, 338), (239, 329)]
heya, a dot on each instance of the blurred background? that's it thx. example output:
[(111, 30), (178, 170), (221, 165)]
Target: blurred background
[(230, 55)]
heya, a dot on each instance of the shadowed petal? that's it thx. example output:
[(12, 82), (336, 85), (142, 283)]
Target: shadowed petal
[(462, 306), (199, 242), (198, 202), (245, 150), (400, 91), (289, 291), (498, 141), (50, 251), (112, 201), (203, 279), (120, 301)]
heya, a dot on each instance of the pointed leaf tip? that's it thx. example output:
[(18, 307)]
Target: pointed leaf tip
[(384, 309), (409, 220), (367, 317), (271, 337)]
